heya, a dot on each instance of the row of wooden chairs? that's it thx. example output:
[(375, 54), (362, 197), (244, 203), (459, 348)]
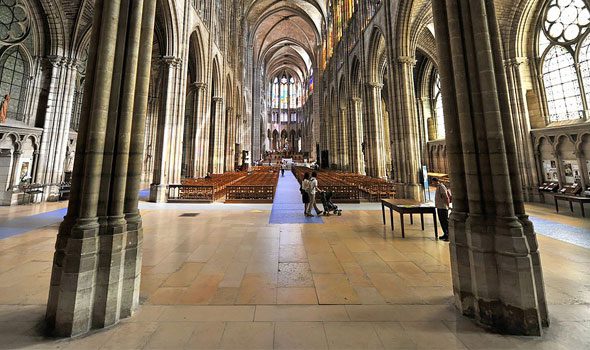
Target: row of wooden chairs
[(373, 189), (208, 189), (349, 186), (258, 187)]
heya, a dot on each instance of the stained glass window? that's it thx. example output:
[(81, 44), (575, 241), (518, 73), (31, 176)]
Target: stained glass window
[(13, 73), (293, 93), (284, 93), (585, 65), (275, 93), (565, 70)]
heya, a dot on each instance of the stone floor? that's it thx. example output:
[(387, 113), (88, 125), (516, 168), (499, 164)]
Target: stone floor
[(226, 278)]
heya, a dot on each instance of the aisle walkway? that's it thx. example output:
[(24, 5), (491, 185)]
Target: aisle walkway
[(287, 207)]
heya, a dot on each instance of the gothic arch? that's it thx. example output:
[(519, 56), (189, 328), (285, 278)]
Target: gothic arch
[(168, 19), (377, 56), (355, 78), (215, 78), (196, 62)]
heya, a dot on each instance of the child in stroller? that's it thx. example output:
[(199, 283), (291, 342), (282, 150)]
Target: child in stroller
[(329, 207)]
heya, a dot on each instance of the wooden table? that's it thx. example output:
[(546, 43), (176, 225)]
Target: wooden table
[(407, 206), (571, 199)]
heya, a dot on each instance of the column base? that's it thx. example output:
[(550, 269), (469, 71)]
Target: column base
[(99, 283), (514, 320), (51, 193), (409, 191), (158, 193)]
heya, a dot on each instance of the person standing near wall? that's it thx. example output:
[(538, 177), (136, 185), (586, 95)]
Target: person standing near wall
[(442, 201)]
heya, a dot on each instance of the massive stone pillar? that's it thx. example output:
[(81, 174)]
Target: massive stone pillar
[(202, 130), (217, 139), (374, 142), (190, 132), (343, 154), (405, 133), (497, 277), (229, 140), (168, 152), (96, 266), (357, 162)]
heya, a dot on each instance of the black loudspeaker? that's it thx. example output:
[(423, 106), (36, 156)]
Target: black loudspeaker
[(325, 159), (317, 153)]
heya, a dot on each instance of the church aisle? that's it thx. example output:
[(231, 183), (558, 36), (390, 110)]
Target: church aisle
[(232, 280), (287, 206)]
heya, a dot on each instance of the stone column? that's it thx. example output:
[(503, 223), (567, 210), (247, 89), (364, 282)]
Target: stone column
[(95, 276), (217, 151), (57, 124), (522, 128), (497, 276), (405, 133), (202, 131), (356, 130), (374, 147), (189, 144), (170, 133), (344, 158), (228, 136)]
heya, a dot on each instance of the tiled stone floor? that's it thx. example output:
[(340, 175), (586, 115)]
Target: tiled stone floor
[(229, 279)]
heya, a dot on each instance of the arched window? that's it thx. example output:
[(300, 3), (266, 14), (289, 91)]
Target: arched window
[(293, 94), (563, 48), (13, 81), (438, 107), (275, 93), (284, 93)]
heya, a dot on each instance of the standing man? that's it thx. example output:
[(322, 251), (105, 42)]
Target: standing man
[(312, 190), (442, 202)]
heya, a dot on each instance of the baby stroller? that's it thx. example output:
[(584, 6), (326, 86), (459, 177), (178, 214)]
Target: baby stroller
[(329, 207)]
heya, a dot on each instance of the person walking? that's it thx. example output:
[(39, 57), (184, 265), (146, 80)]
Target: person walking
[(304, 193), (442, 201), (283, 170), (313, 189)]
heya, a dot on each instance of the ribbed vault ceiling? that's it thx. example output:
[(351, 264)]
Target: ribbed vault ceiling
[(285, 34)]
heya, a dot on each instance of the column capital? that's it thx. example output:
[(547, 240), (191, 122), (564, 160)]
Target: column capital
[(217, 99), (55, 60), (375, 85), (172, 61), (199, 85), (356, 99), (515, 61), (407, 60)]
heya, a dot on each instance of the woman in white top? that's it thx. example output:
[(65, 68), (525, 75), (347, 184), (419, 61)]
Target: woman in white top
[(304, 192)]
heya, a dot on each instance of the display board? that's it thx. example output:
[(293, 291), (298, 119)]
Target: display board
[(550, 170)]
